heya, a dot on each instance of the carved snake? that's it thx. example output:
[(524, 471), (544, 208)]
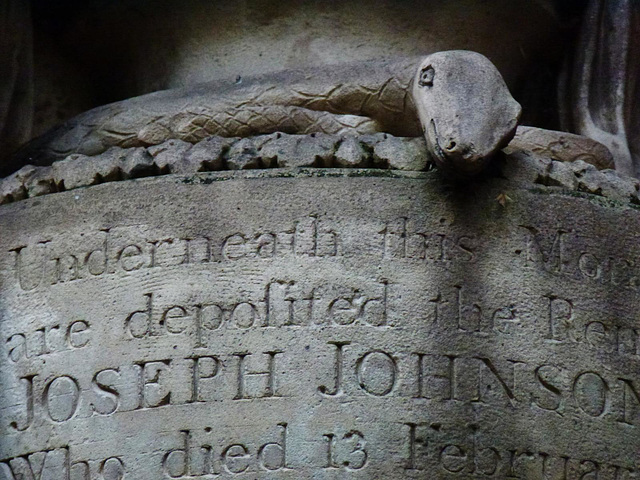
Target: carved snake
[(463, 107)]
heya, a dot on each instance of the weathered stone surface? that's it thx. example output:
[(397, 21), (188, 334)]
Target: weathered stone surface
[(561, 146), (317, 323), (188, 42), (244, 154), (299, 150), (169, 157), (465, 108), (409, 156), (78, 52), (280, 145), (137, 162), (78, 171), (35, 181), (620, 185), (525, 168), (40, 183), (12, 188), (319, 146), (561, 175), (323, 324), (380, 150), (351, 153), (207, 155), (599, 85)]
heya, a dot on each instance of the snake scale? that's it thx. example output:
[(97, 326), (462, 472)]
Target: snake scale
[(457, 99), (369, 97)]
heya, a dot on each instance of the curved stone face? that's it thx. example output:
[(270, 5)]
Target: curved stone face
[(325, 324)]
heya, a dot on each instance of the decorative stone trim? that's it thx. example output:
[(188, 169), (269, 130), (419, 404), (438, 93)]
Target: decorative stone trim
[(280, 150), (214, 154)]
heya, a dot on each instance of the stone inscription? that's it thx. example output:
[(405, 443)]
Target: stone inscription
[(282, 304), (402, 345), (111, 251), (565, 252), (427, 448), (118, 250), (437, 377)]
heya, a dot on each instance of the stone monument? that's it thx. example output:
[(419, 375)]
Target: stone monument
[(323, 248)]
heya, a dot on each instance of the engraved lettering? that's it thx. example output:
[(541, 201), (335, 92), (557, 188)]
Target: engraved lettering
[(348, 452), (376, 372), (551, 397), (28, 383), (560, 318), (153, 391), (29, 270), (401, 239), (104, 383), (120, 250), (629, 394), (247, 389), (436, 380), (337, 372), (204, 368), (60, 398), (546, 250), (47, 340), (36, 466), (195, 459), (138, 323), (591, 393), (112, 469)]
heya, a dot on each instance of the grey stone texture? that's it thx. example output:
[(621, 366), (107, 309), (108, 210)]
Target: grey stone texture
[(599, 89), (457, 99), (465, 108), (322, 323), (262, 276), (561, 146), (59, 61), (362, 98), (378, 150), (63, 58)]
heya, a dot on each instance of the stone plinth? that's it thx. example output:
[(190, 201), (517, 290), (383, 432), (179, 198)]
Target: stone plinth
[(319, 324)]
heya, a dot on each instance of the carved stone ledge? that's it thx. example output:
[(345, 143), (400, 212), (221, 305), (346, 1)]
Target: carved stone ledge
[(214, 154), (522, 163)]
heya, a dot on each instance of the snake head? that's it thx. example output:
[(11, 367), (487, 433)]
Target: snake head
[(465, 108)]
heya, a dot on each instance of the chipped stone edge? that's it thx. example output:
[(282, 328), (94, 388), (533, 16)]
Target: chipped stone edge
[(372, 155), (277, 150)]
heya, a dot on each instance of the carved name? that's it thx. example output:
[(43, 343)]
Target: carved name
[(355, 371)]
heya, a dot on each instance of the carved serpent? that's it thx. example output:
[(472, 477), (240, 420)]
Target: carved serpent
[(463, 107), (368, 97)]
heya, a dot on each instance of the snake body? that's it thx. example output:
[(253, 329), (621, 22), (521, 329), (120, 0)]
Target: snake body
[(457, 99), (362, 98)]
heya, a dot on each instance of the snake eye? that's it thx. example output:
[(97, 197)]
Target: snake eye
[(426, 76)]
